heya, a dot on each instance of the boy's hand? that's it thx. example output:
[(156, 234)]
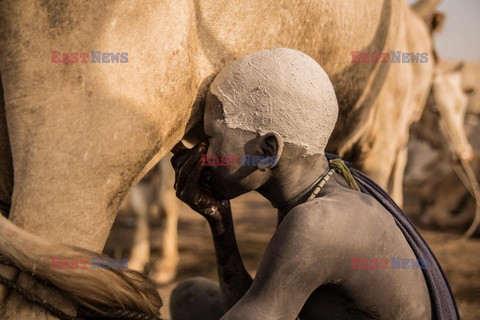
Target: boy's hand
[(188, 172)]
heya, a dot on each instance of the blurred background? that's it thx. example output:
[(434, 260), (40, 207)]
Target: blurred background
[(459, 38)]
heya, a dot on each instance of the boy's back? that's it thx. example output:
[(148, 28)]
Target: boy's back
[(354, 240)]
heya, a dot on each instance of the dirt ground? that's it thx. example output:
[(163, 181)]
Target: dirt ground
[(255, 221)]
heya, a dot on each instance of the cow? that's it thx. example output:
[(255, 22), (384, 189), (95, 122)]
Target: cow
[(442, 124), (80, 132), (445, 201)]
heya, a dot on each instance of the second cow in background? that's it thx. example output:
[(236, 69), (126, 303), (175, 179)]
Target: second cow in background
[(155, 194)]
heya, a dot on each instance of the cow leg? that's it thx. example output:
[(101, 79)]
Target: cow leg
[(396, 180), (166, 268), (378, 164), (141, 244)]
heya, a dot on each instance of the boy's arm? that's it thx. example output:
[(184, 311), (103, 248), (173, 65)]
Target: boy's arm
[(297, 260), (233, 277)]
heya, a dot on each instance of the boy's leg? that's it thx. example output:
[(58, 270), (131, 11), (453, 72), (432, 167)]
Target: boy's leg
[(196, 298)]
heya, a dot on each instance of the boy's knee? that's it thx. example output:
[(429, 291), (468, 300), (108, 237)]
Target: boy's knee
[(196, 298)]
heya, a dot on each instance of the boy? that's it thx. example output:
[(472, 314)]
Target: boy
[(328, 258)]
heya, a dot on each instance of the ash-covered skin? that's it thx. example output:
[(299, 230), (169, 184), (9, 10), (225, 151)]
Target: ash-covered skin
[(306, 269), (264, 100)]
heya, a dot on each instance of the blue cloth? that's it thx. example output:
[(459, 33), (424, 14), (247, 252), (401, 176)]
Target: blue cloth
[(441, 297)]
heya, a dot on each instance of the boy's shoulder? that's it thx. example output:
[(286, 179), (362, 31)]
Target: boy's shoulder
[(341, 213)]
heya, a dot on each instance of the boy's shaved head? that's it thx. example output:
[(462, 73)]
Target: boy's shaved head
[(280, 90)]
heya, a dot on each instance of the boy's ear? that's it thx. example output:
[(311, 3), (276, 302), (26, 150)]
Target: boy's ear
[(271, 145)]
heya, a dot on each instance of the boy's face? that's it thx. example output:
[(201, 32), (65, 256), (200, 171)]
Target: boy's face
[(229, 178)]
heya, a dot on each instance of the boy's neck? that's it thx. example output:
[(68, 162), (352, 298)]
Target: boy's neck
[(291, 180)]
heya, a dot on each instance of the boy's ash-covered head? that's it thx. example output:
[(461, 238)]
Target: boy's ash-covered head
[(282, 90), (276, 103)]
